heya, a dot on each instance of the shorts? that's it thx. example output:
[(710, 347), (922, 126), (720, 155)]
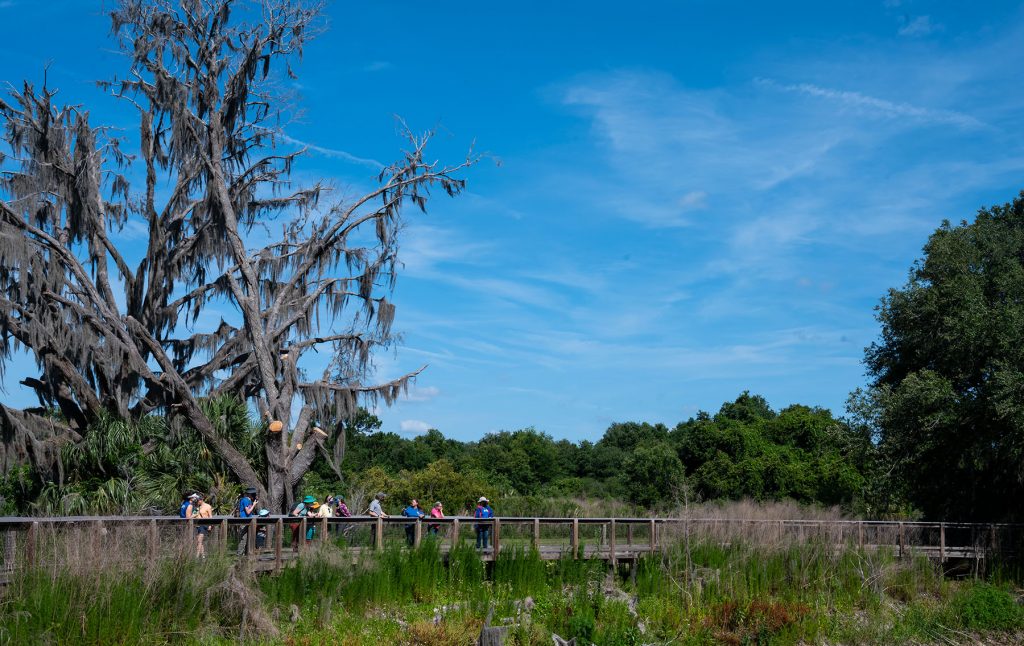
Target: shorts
[(203, 530)]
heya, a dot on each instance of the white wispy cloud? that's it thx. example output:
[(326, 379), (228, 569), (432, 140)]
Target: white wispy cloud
[(418, 394), (426, 248), (133, 230), (378, 66), (919, 26), (334, 153), (414, 426), (878, 105), (694, 201)]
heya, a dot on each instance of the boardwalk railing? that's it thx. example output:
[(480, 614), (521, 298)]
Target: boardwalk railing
[(270, 542)]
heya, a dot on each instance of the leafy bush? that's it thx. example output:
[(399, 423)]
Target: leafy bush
[(983, 606)]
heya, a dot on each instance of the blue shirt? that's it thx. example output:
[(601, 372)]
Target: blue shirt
[(484, 512), (244, 504), (412, 512)]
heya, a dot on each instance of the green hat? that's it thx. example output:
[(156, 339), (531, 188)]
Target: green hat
[(308, 500)]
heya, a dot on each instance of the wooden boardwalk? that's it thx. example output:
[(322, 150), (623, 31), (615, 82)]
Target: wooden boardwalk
[(614, 540)]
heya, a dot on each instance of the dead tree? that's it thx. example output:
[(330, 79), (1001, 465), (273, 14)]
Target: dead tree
[(110, 334)]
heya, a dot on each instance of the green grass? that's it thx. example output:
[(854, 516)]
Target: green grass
[(709, 594)]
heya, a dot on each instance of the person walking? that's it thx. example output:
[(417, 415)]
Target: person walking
[(246, 509), (412, 511), (483, 530), (300, 510), (203, 510), (437, 511)]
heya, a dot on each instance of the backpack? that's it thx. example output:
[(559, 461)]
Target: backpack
[(183, 511)]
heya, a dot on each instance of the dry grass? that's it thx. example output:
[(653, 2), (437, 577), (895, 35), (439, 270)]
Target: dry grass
[(751, 510), (153, 563)]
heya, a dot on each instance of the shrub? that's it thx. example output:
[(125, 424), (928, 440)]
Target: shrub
[(983, 606)]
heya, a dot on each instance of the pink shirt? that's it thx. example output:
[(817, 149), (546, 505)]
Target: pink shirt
[(436, 513)]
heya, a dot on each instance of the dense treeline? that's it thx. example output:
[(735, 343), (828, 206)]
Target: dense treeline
[(746, 450)]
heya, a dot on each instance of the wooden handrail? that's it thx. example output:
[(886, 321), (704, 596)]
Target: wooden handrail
[(14, 521), (940, 540)]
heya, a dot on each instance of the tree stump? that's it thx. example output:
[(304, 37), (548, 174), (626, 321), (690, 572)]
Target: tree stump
[(492, 635)]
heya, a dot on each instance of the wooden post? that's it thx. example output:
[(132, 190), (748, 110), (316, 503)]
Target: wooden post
[(455, 532), (574, 538), (224, 535), (380, 533), (992, 530), (10, 550), (152, 541), (942, 544), (303, 527), (323, 530), (278, 543), (30, 544), (860, 533), (94, 536), (629, 534), (654, 536), (611, 543), (250, 537), (417, 534), (536, 534), (190, 532), (496, 539), (901, 540)]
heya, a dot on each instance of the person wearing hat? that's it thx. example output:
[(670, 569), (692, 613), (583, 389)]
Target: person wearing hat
[(483, 530), (246, 508), (315, 511), (261, 530), (204, 510), (300, 510)]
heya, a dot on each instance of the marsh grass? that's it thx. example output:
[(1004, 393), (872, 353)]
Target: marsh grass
[(729, 585), (87, 589)]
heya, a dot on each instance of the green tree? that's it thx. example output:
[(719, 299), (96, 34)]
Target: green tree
[(652, 474), (204, 83), (527, 459), (948, 370)]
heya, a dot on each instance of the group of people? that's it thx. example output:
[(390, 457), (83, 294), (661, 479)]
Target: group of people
[(483, 510), (195, 506), (333, 506)]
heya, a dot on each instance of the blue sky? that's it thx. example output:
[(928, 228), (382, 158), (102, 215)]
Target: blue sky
[(682, 200)]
